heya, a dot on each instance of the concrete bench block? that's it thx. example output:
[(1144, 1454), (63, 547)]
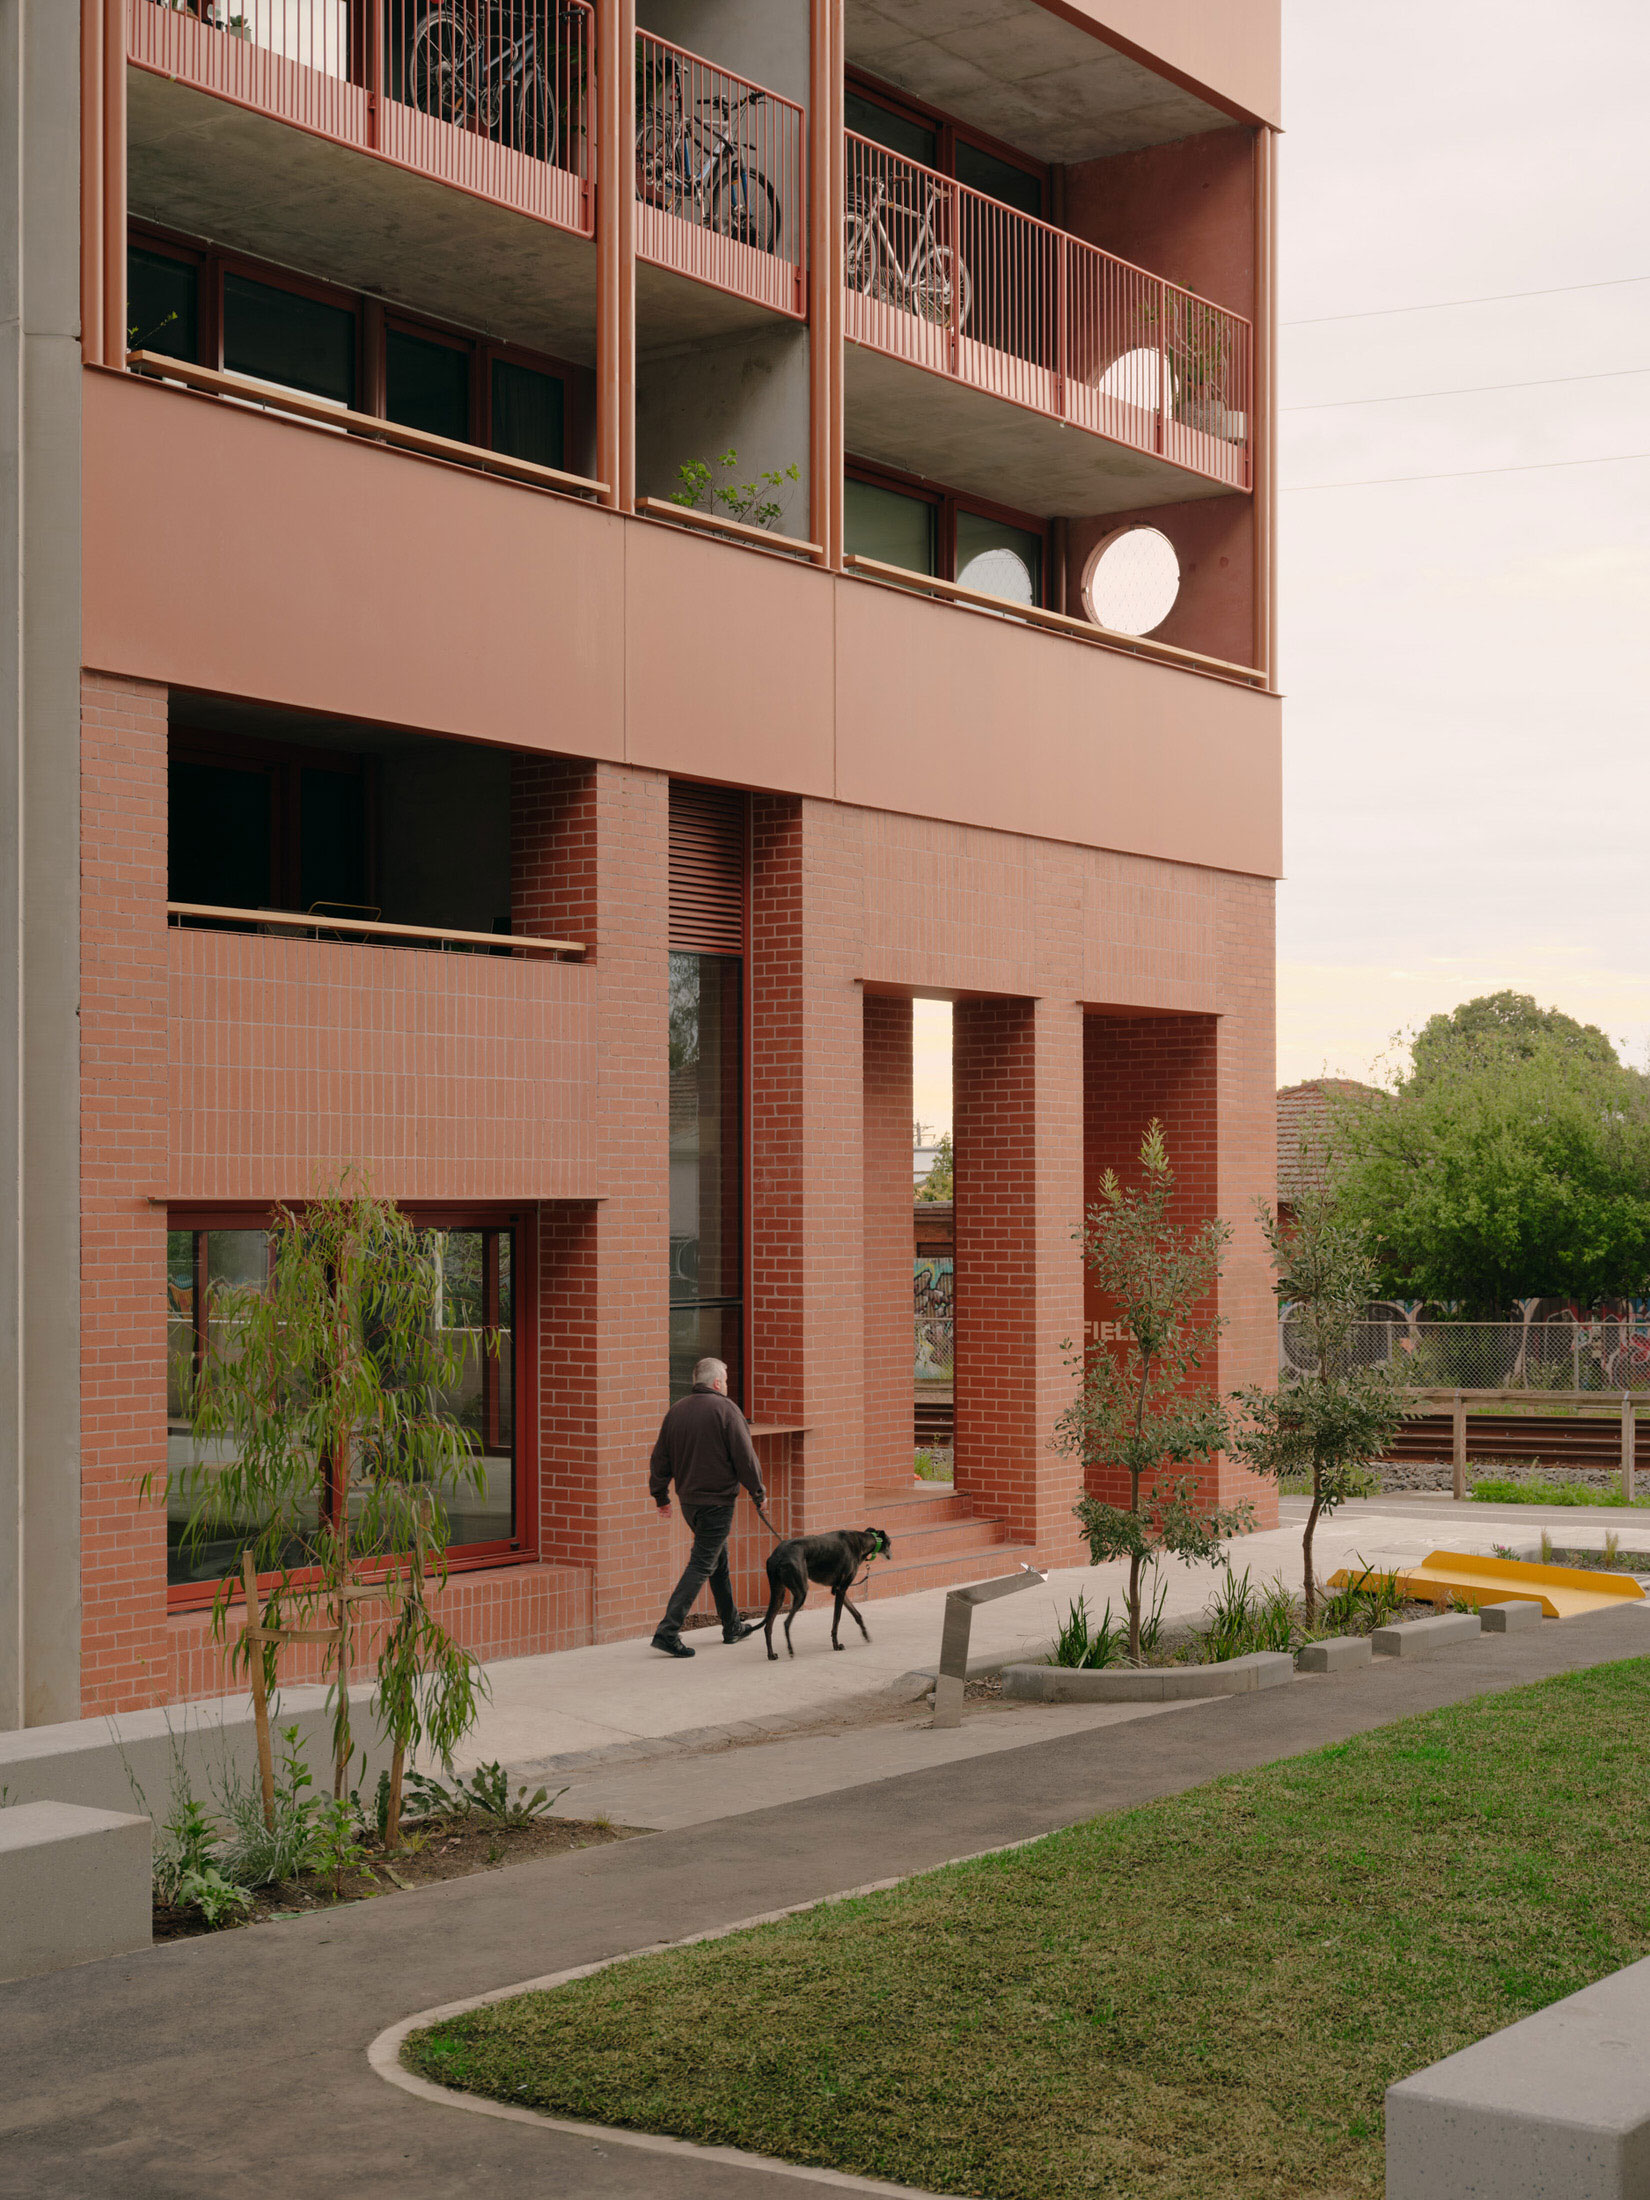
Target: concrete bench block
[(1419, 1638), (1557, 2104), (74, 1886), (1338, 1655), (1149, 1684), (1512, 1616)]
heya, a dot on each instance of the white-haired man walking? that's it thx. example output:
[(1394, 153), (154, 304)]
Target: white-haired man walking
[(705, 1448)]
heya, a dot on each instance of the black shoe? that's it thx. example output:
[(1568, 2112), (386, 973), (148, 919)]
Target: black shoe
[(672, 1645), (739, 1630)]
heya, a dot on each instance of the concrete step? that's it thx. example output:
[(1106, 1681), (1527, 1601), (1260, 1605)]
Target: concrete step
[(885, 1507), (946, 1536)]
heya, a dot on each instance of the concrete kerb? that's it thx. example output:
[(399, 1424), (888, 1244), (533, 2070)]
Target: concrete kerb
[(1147, 1684), (384, 2052), (1420, 1638), (1337, 1654), (1512, 1617)]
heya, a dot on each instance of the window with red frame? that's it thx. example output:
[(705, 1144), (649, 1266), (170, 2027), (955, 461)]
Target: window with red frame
[(186, 302), (926, 529), (208, 1257)]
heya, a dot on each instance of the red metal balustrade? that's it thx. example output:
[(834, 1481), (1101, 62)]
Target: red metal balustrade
[(721, 177), (496, 96), (942, 276)]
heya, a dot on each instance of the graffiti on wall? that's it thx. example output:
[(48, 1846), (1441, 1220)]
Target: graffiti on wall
[(934, 1307)]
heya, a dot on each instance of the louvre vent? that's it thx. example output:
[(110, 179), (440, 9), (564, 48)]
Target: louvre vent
[(707, 870)]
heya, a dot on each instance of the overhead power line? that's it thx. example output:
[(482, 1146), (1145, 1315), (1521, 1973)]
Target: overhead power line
[(1466, 473), (1442, 305), (1470, 389)]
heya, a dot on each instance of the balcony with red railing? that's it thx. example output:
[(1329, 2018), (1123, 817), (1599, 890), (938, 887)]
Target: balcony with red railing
[(945, 280), (496, 97), (721, 178)]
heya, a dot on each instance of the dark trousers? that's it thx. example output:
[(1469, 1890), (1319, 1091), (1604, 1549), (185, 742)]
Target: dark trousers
[(711, 1525)]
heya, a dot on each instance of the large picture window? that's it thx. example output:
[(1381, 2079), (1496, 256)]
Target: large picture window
[(481, 1290)]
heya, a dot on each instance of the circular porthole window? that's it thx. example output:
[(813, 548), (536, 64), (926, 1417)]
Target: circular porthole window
[(999, 572), (1131, 580)]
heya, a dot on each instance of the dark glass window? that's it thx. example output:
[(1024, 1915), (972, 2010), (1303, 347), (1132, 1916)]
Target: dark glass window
[(332, 841), (259, 829), (282, 336), (221, 835), (162, 304), (427, 385), (998, 559), (890, 526), (868, 119), (528, 414), (206, 1269), (706, 1204), (998, 179)]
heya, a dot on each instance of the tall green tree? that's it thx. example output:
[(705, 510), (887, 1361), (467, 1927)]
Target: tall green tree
[(1331, 1419), (1140, 1407), (1495, 1025), (324, 1442), (1506, 1171)]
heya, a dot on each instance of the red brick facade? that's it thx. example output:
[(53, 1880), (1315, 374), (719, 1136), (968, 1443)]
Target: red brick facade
[(1093, 990)]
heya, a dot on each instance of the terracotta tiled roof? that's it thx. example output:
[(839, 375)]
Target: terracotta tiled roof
[(1303, 1113)]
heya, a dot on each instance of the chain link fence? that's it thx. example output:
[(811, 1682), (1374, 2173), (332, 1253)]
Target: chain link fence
[(1605, 1355)]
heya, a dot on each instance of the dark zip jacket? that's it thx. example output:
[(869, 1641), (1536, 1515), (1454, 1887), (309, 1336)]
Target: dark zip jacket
[(705, 1448)]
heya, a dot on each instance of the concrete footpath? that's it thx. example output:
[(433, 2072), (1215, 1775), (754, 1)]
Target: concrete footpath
[(621, 1702), (236, 2065)]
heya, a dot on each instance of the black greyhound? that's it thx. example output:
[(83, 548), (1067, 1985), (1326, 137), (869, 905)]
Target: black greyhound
[(831, 1560)]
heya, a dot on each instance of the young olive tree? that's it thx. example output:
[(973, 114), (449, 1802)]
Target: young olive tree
[(324, 1441), (1330, 1417), (1137, 1408)]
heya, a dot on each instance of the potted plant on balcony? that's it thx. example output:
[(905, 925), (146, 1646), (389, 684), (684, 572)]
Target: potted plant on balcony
[(1197, 341), (758, 503)]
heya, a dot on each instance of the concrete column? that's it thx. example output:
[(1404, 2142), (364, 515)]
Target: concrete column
[(888, 1244), (1017, 1083), (40, 178)]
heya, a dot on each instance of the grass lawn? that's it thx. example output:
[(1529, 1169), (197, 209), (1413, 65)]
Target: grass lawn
[(1506, 1490), (1204, 1998)]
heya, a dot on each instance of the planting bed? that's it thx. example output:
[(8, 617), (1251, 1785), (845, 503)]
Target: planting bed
[(450, 1849)]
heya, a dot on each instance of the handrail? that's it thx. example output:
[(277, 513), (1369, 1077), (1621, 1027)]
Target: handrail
[(1058, 622), (1599, 1398), (218, 382), (951, 280), (737, 219), (290, 920), (662, 508)]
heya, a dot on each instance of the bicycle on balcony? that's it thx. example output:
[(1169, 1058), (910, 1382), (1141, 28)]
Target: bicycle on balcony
[(690, 162), (919, 279), (489, 69)]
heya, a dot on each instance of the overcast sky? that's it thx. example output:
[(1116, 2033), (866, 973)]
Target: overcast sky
[(1467, 783), (1466, 660)]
